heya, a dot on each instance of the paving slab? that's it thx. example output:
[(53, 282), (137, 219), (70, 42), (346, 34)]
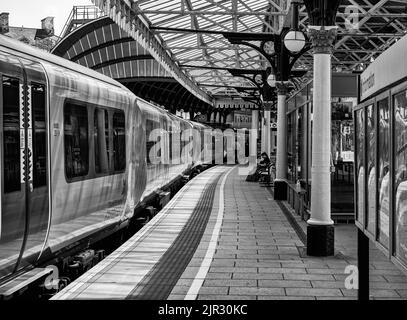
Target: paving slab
[(258, 255)]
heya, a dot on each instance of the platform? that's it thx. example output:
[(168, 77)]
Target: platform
[(221, 237)]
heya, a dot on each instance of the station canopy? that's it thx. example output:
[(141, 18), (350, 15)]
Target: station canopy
[(191, 33)]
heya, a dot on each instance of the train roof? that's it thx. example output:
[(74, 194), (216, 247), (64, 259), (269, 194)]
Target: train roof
[(387, 70), (26, 49)]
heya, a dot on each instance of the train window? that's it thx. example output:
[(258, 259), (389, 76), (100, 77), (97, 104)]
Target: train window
[(119, 141), (150, 141), (39, 136), (400, 171), (175, 143), (76, 140), (11, 135), (164, 142), (101, 138), (371, 168), (170, 138), (383, 172)]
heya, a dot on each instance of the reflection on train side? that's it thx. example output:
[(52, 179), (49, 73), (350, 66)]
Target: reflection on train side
[(400, 179), (401, 220)]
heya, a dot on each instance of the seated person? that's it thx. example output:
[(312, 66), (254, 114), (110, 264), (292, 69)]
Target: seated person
[(264, 162), (261, 166)]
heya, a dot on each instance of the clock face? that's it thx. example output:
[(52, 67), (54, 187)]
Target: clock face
[(268, 47), (258, 78)]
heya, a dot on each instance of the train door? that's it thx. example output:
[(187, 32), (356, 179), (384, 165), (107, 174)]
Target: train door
[(23, 163), (35, 123)]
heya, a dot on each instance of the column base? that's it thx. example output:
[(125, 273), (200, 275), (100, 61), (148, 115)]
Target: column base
[(320, 240), (280, 190)]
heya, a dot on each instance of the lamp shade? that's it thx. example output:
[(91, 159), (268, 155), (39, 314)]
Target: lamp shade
[(294, 41)]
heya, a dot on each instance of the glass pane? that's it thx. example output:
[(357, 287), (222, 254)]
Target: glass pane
[(12, 224), (309, 151), (38, 197), (290, 146), (342, 189), (101, 137), (39, 136), (302, 138), (119, 141), (400, 135), (170, 141), (371, 169), (11, 135), (297, 145), (149, 142), (383, 173), (360, 167), (76, 140)]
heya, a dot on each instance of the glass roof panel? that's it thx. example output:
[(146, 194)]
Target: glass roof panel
[(213, 50)]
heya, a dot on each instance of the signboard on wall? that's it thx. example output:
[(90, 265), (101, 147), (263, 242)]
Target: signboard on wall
[(242, 120), (389, 67)]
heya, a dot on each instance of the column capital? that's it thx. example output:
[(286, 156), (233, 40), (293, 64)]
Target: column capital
[(281, 89), (322, 39)]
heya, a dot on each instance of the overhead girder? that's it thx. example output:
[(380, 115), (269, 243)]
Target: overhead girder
[(101, 45), (189, 32), (125, 15)]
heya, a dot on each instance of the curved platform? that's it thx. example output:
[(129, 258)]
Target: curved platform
[(149, 264)]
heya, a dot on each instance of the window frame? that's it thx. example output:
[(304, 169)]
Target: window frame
[(361, 107), (379, 98), (89, 172), (91, 108), (46, 120), (373, 104), (392, 218), (3, 153), (111, 134), (93, 111)]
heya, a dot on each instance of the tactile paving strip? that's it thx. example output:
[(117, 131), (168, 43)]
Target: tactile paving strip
[(159, 282)]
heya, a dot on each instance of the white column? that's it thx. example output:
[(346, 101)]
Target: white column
[(217, 118), (267, 132), (212, 119), (321, 142), (321, 138), (255, 130), (281, 155), (263, 136)]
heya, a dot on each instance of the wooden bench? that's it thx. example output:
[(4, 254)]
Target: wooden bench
[(267, 177)]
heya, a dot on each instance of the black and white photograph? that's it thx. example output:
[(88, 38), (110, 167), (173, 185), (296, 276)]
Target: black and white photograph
[(200, 159)]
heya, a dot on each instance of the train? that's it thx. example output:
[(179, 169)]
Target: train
[(74, 156)]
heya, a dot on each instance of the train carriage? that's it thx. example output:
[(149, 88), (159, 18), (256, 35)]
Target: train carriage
[(74, 156)]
